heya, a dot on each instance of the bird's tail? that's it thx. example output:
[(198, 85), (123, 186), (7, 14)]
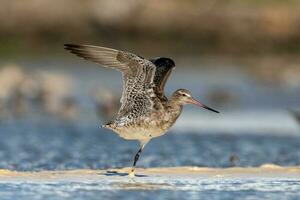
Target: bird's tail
[(108, 125)]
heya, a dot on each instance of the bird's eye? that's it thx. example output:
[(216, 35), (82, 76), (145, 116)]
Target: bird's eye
[(184, 95)]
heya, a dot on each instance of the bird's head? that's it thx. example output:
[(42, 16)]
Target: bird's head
[(184, 96)]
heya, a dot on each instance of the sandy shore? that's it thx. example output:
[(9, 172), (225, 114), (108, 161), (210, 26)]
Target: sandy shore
[(268, 171), (267, 179)]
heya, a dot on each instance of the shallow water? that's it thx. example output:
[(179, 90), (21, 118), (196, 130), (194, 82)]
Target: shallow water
[(82, 185), (254, 128), (251, 189), (211, 190), (51, 144)]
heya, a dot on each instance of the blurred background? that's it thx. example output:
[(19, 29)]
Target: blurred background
[(240, 57)]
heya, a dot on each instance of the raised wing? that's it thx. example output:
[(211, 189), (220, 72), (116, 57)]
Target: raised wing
[(138, 74), (163, 70)]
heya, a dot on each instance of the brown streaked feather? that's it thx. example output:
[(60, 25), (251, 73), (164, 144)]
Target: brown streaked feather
[(105, 56), (138, 74)]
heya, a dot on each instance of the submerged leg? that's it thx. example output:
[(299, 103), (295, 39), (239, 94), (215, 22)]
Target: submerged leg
[(136, 158)]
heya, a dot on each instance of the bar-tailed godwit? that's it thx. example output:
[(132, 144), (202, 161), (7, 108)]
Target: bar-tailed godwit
[(145, 111)]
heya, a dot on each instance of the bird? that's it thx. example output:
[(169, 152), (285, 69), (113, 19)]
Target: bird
[(145, 112)]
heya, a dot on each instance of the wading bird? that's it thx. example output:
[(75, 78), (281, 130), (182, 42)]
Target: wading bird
[(145, 111)]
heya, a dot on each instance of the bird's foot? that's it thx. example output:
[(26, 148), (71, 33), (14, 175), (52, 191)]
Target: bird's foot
[(132, 173)]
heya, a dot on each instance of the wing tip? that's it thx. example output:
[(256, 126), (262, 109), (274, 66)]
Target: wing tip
[(77, 50), (82, 47), (71, 46)]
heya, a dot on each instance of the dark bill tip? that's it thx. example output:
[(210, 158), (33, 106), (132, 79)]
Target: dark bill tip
[(208, 108)]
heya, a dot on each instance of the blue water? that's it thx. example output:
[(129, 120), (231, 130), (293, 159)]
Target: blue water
[(41, 141), (181, 189), (47, 143), (52, 144)]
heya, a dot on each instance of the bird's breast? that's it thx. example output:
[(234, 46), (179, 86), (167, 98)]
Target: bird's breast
[(155, 124)]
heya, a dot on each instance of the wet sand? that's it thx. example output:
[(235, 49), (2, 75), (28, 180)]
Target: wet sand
[(267, 171), (265, 182)]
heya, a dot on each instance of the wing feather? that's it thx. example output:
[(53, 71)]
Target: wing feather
[(138, 73), (164, 67)]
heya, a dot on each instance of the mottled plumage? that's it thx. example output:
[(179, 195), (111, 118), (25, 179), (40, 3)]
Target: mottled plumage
[(145, 111)]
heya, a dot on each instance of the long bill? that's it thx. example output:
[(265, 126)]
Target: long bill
[(198, 103)]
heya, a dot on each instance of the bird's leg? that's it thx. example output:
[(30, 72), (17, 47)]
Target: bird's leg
[(136, 158)]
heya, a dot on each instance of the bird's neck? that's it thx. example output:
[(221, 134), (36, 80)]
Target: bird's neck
[(175, 104), (173, 109)]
